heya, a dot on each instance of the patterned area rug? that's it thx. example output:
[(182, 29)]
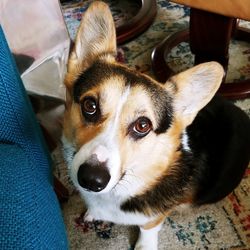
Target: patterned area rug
[(225, 225)]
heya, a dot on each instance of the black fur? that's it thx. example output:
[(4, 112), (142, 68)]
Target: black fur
[(220, 135)]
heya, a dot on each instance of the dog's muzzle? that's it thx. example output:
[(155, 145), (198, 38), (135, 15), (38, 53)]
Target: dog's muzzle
[(93, 175)]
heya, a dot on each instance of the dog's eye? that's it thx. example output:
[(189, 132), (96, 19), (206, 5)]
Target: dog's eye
[(89, 106), (90, 109), (142, 126)]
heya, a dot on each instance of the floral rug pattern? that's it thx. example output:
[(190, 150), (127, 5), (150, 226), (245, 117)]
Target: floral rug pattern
[(224, 225)]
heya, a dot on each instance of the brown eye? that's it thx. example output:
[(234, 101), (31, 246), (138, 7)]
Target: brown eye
[(142, 126), (89, 106)]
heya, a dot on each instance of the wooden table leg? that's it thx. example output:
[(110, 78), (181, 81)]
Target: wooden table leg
[(210, 35), (139, 23), (159, 65)]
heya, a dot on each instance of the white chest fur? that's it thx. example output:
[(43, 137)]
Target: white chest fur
[(106, 207)]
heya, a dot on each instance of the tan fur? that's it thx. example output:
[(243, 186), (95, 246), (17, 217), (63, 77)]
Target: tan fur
[(168, 156), (138, 104), (75, 130), (154, 223), (86, 134)]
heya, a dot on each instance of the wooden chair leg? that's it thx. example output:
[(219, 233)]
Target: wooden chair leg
[(241, 33), (136, 25), (159, 66), (139, 23), (236, 90), (209, 37)]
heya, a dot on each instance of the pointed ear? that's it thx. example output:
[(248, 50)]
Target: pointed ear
[(95, 37), (194, 88)]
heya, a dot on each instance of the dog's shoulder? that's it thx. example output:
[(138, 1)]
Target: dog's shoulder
[(219, 137)]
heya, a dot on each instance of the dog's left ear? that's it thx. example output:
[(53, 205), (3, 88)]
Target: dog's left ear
[(193, 89), (95, 37)]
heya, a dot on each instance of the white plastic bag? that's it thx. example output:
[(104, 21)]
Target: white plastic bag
[(38, 38)]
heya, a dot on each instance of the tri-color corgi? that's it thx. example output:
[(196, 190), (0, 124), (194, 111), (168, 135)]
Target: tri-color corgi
[(137, 148)]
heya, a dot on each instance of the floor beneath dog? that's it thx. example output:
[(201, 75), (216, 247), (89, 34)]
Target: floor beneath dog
[(225, 225)]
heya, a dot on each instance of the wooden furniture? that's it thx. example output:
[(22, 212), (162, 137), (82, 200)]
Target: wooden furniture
[(139, 23), (212, 25)]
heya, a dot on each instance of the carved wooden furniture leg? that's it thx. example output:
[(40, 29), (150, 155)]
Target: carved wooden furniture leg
[(160, 68), (139, 23), (241, 33), (209, 36)]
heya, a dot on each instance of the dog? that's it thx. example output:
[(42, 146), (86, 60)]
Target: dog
[(136, 148)]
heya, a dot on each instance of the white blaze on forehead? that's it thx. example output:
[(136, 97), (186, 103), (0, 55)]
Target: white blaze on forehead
[(105, 145), (139, 104), (120, 105), (109, 139), (112, 101)]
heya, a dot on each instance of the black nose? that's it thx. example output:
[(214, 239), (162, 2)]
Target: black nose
[(93, 177)]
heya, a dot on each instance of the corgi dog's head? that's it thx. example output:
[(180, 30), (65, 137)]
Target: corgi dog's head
[(124, 129)]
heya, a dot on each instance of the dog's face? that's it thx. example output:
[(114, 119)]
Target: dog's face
[(124, 128)]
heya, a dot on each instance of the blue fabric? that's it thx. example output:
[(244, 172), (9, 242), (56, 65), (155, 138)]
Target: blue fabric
[(30, 216)]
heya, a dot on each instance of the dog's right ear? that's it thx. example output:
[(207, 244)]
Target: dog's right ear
[(95, 37)]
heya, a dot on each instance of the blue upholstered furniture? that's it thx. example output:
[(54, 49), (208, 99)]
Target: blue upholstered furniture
[(30, 216)]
